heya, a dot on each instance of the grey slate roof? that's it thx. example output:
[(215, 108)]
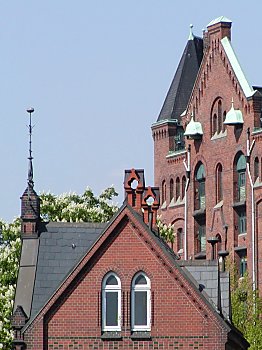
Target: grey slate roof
[(61, 246), (181, 87)]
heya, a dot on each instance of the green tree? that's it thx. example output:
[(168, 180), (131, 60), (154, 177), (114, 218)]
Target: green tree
[(69, 207), (246, 309)]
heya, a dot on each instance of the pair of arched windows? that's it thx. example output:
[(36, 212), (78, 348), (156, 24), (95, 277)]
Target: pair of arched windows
[(217, 118), (175, 190), (140, 303)]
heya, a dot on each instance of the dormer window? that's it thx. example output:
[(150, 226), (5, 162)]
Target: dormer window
[(179, 141)]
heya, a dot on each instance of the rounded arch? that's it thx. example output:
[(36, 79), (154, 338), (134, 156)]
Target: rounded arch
[(163, 191), (141, 302), (111, 302), (171, 189), (216, 116), (239, 177)]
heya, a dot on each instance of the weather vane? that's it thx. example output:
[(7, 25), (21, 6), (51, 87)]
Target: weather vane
[(30, 158)]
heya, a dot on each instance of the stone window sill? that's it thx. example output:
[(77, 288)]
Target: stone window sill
[(111, 336), (141, 336)]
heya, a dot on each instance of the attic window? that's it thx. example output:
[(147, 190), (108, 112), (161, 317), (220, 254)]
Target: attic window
[(111, 303)]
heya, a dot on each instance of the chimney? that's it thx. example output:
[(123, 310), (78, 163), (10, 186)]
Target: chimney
[(219, 28), (145, 200), (150, 205), (134, 185)]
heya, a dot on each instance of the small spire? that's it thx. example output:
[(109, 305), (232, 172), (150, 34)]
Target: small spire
[(232, 102), (30, 180), (191, 35)]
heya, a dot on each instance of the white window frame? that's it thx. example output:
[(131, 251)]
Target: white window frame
[(111, 289), (142, 288)]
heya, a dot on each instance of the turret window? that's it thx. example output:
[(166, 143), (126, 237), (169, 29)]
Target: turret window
[(200, 195), (179, 141)]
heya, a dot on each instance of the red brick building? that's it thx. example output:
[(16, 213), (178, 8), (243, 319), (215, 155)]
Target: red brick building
[(119, 285), (207, 154), (116, 285)]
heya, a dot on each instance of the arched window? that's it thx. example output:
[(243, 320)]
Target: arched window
[(183, 186), (171, 189), (240, 178), (141, 303), (224, 118), (214, 128), (163, 191), (219, 184), (200, 195), (256, 168), (111, 303), (177, 188), (219, 117), (180, 238)]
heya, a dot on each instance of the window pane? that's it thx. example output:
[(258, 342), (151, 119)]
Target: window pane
[(111, 308), (140, 280), (111, 280), (140, 308)]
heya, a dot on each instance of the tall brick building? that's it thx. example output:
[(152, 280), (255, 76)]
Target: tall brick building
[(207, 154)]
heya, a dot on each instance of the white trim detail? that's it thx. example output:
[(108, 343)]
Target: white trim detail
[(248, 90), (136, 288), (111, 288)]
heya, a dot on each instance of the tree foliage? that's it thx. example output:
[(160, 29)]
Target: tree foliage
[(165, 231), (69, 207), (246, 309)]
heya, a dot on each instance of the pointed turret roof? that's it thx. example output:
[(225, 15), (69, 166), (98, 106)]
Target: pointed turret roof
[(181, 87)]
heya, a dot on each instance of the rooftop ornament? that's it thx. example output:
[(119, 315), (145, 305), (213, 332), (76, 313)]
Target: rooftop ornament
[(191, 35), (194, 129), (234, 116)]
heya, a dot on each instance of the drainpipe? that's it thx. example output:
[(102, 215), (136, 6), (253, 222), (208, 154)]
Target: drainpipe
[(187, 167), (249, 150)]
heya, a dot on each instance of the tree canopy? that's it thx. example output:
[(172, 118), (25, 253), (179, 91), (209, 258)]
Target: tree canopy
[(70, 207)]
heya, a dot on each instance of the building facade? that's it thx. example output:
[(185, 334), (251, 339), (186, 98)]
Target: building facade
[(207, 154), (116, 285)]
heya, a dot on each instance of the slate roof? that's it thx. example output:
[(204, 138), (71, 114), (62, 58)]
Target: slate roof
[(181, 87), (61, 246)]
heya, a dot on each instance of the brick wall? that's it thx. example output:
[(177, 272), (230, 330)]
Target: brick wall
[(180, 318), (216, 79)]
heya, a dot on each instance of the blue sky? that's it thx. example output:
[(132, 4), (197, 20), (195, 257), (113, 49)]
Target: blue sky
[(96, 73)]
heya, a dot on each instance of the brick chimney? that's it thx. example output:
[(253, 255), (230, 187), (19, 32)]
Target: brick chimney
[(219, 28), (145, 200)]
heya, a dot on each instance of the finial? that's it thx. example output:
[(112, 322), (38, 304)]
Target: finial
[(30, 158), (232, 102), (191, 35), (192, 115)]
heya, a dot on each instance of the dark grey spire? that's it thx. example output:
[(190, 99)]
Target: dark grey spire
[(30, 177), (181, 87)]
